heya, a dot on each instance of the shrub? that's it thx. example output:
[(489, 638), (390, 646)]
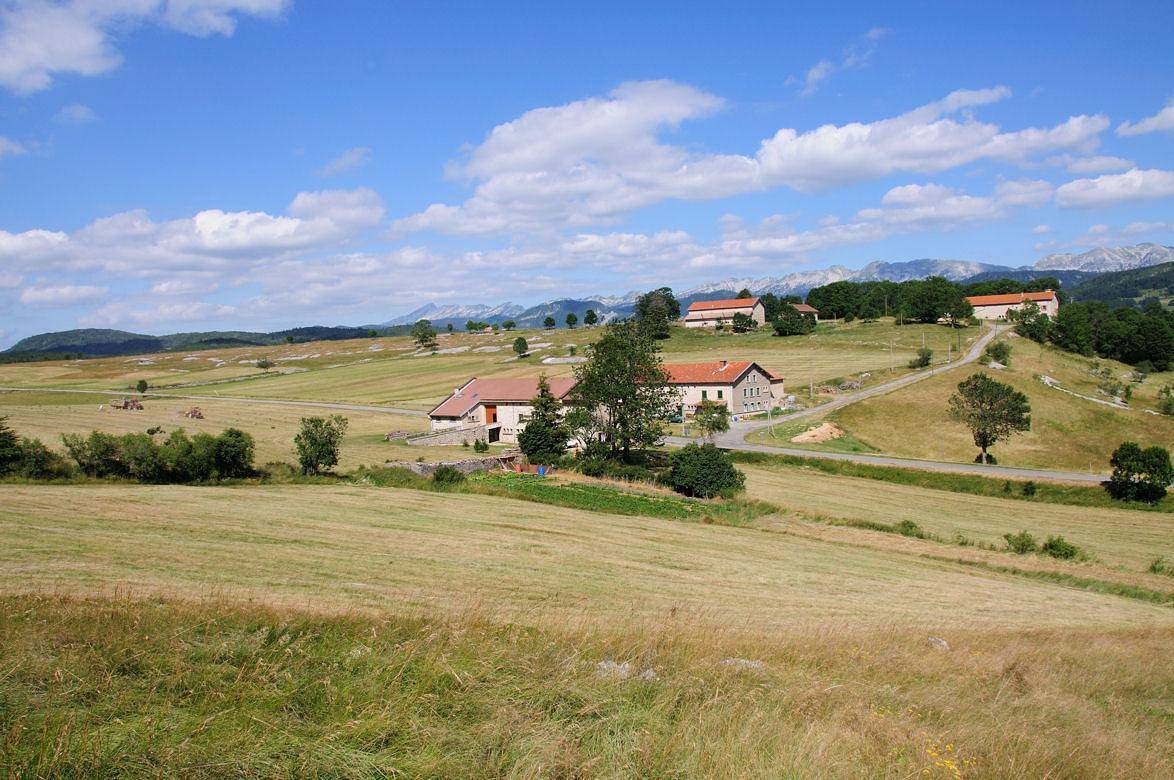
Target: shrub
[(1057, 547), (1021, 543), (447, 475), (319, 442), (1166, 400), (923, 359), (909, 528), (1139, 475), (1160, 565), (704, 471), (1030, 488), (999, 351), (141, 385), (10, 452), (96, 455), (234, 454), (480, 445)]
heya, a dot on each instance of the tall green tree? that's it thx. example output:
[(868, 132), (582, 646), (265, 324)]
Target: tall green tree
[(791, 322), (10, 449), (656, 310), (520, 346), (1030, 322), (992, 410), (548, 322), (572, 320), (590, 318), (423, 334), (1073, 330), (509, 325), (745, 293), (319, 442), (544, 439), (1140, 474), (624, 389)]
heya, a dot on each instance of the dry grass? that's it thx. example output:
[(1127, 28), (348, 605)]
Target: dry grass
[(126, 688), (1117, 537), (48, 415), (352, 547), (1067, 432), (381, 371)]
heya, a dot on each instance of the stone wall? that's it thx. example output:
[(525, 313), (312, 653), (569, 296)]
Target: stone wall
[(450, 436), (465, 466)]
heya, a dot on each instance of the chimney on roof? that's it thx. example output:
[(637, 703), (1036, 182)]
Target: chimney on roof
[(724, 364)]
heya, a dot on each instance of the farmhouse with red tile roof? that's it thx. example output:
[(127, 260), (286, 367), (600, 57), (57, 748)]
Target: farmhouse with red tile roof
[(499, 406), (742, 385), (995, 307), (707, 314)]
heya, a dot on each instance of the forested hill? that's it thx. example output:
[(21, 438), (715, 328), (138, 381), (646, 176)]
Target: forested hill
[(97, 342), (1134, 287)]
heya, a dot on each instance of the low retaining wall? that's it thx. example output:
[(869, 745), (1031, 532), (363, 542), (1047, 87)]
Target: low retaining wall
[(447, 436), (466, 466)]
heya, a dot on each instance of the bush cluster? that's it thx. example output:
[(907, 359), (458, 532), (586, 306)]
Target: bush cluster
[(704, 471), (179, 459), (1023, 543), (29, 458), (448, 475), (1140, 474)]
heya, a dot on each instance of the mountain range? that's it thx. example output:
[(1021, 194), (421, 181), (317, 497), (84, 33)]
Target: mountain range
[(1070, 269)]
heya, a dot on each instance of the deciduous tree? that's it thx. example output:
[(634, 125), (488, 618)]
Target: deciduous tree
[(992, 410)]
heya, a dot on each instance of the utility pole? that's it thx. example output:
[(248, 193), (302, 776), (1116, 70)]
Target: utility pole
[(890, 354)]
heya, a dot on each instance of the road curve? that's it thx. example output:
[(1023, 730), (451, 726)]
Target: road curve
[(235, 399), (735, 437)]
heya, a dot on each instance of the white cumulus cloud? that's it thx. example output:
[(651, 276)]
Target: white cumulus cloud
[(61, 294), (10, 148), (40, 38), (1163, 120), (76, 114), (1111, 189), (593, 161)]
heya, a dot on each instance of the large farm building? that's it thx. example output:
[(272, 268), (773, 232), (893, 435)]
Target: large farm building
[(496, 409)]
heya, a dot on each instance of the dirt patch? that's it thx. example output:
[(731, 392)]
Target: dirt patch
[(819, 434)]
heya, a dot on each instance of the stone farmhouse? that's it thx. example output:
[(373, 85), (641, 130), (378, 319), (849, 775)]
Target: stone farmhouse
[(496, 409), (491, 409), (742, 385), (995, 307), (708, 314)]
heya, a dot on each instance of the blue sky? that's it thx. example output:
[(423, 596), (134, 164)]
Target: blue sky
[(196, 164)]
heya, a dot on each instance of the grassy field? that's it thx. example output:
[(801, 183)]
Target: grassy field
[(352, 547), (357, 632), (48, 415), (1067, 432), (1116, 537), (146, 688), (384, 370)]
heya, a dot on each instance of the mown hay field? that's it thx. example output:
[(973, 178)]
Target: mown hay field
[(1116, 537), (46, 416), (384, 371), (353, 547)]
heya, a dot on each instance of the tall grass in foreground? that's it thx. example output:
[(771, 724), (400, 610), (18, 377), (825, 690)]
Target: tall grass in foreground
[(123, 688)]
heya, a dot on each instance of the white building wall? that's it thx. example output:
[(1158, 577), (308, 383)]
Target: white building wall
[(999, 311)]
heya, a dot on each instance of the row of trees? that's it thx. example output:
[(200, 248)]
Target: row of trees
[(916, 300), (177, 459), (1141, 337)]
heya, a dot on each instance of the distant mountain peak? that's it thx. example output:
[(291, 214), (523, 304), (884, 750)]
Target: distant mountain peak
[(1105, 259)]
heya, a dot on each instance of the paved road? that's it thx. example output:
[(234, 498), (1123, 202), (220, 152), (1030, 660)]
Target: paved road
[(735, 438), (234, 399)]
